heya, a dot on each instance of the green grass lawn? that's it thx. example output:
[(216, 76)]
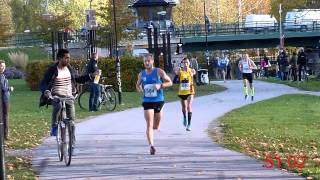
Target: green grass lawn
[(311, 85), (28, 123), (286, 126)]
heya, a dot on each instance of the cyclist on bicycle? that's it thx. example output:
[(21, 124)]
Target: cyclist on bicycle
[(59, 80)]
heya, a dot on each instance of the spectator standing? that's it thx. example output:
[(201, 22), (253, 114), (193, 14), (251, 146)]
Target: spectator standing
[(302, 61), (5, 98), (194, 65), (293, 64), (94, 83), (284, 65), (265, 64)]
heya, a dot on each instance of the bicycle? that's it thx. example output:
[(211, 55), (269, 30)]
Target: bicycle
[(106, 98), (65, 135)]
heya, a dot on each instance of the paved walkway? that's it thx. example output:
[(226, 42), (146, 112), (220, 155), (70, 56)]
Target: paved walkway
[(114, 146)]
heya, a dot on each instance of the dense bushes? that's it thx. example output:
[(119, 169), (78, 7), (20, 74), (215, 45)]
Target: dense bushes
[(13, 73), (130, 67)]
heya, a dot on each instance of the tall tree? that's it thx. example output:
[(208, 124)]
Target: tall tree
[(124, 16), (24, 13), (225, 11), (6, 24)]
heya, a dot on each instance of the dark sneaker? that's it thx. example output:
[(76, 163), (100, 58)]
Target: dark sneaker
[(152, 150), (184, 122), (54, 131), (252, 98)]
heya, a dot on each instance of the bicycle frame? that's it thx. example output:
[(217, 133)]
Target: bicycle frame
[(65, 126)]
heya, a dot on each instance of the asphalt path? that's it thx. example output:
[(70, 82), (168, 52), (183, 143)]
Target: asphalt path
[(114, 145)]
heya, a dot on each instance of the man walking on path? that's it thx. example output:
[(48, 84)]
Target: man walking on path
[(186, 91), (151, 82), (246, 65)]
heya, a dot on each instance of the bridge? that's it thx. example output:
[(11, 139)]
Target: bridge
[(232, 36)]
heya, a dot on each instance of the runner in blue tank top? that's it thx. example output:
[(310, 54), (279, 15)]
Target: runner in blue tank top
[(151, 82)]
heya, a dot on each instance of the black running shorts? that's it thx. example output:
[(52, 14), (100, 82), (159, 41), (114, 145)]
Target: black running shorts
[(184, 97), (157, 106), (247, 76)]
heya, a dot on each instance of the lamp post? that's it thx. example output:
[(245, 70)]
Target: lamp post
[(206, 23), (117, 54), (280, 28)]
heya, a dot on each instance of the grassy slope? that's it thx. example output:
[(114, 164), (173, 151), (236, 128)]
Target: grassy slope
[(286, 126)]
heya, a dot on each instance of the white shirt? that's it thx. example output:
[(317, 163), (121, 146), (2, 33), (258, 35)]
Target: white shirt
[(62, 84)]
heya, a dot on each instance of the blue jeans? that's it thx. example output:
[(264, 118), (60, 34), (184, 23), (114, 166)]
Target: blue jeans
[(94, 95)]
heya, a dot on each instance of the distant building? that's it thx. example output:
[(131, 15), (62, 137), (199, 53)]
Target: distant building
[(156, 11)]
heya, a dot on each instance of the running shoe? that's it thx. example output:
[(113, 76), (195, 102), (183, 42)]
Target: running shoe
[(152, 150), (252, 98), (188, 128)]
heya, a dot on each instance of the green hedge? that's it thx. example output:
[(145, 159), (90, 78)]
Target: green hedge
[(130, 67)]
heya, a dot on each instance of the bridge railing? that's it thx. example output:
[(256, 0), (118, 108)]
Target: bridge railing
[(241, 28)]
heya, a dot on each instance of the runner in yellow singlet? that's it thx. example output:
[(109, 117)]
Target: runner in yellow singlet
[(186, 91)]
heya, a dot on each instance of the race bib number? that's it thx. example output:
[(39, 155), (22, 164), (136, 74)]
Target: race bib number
[(185, 86), (150, 90), (246, 67)]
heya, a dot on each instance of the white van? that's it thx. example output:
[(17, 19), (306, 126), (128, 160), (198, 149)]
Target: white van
[(259, 22), (139, 52), (302, 19)]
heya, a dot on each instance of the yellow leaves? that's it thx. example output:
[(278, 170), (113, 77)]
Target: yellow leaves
[(10, 166)]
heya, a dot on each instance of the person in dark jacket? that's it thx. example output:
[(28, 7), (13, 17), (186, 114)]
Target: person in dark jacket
[(284, 65), (5, 98), (60, 80), (265, 65), (302, 61), (94, 83), (293, 63)]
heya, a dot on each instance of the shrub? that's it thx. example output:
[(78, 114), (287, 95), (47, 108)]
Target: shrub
[(13, 73), (19, 59), (130, 67)]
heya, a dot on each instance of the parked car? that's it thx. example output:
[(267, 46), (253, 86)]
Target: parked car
[(259, 22), (302, 19)]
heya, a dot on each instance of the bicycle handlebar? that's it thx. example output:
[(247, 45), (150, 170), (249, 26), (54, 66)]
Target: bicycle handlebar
[(62, 98)]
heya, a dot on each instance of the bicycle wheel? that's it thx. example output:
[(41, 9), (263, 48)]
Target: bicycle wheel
[(67, 147), (59, 142), (109, 100), (83, 100)]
